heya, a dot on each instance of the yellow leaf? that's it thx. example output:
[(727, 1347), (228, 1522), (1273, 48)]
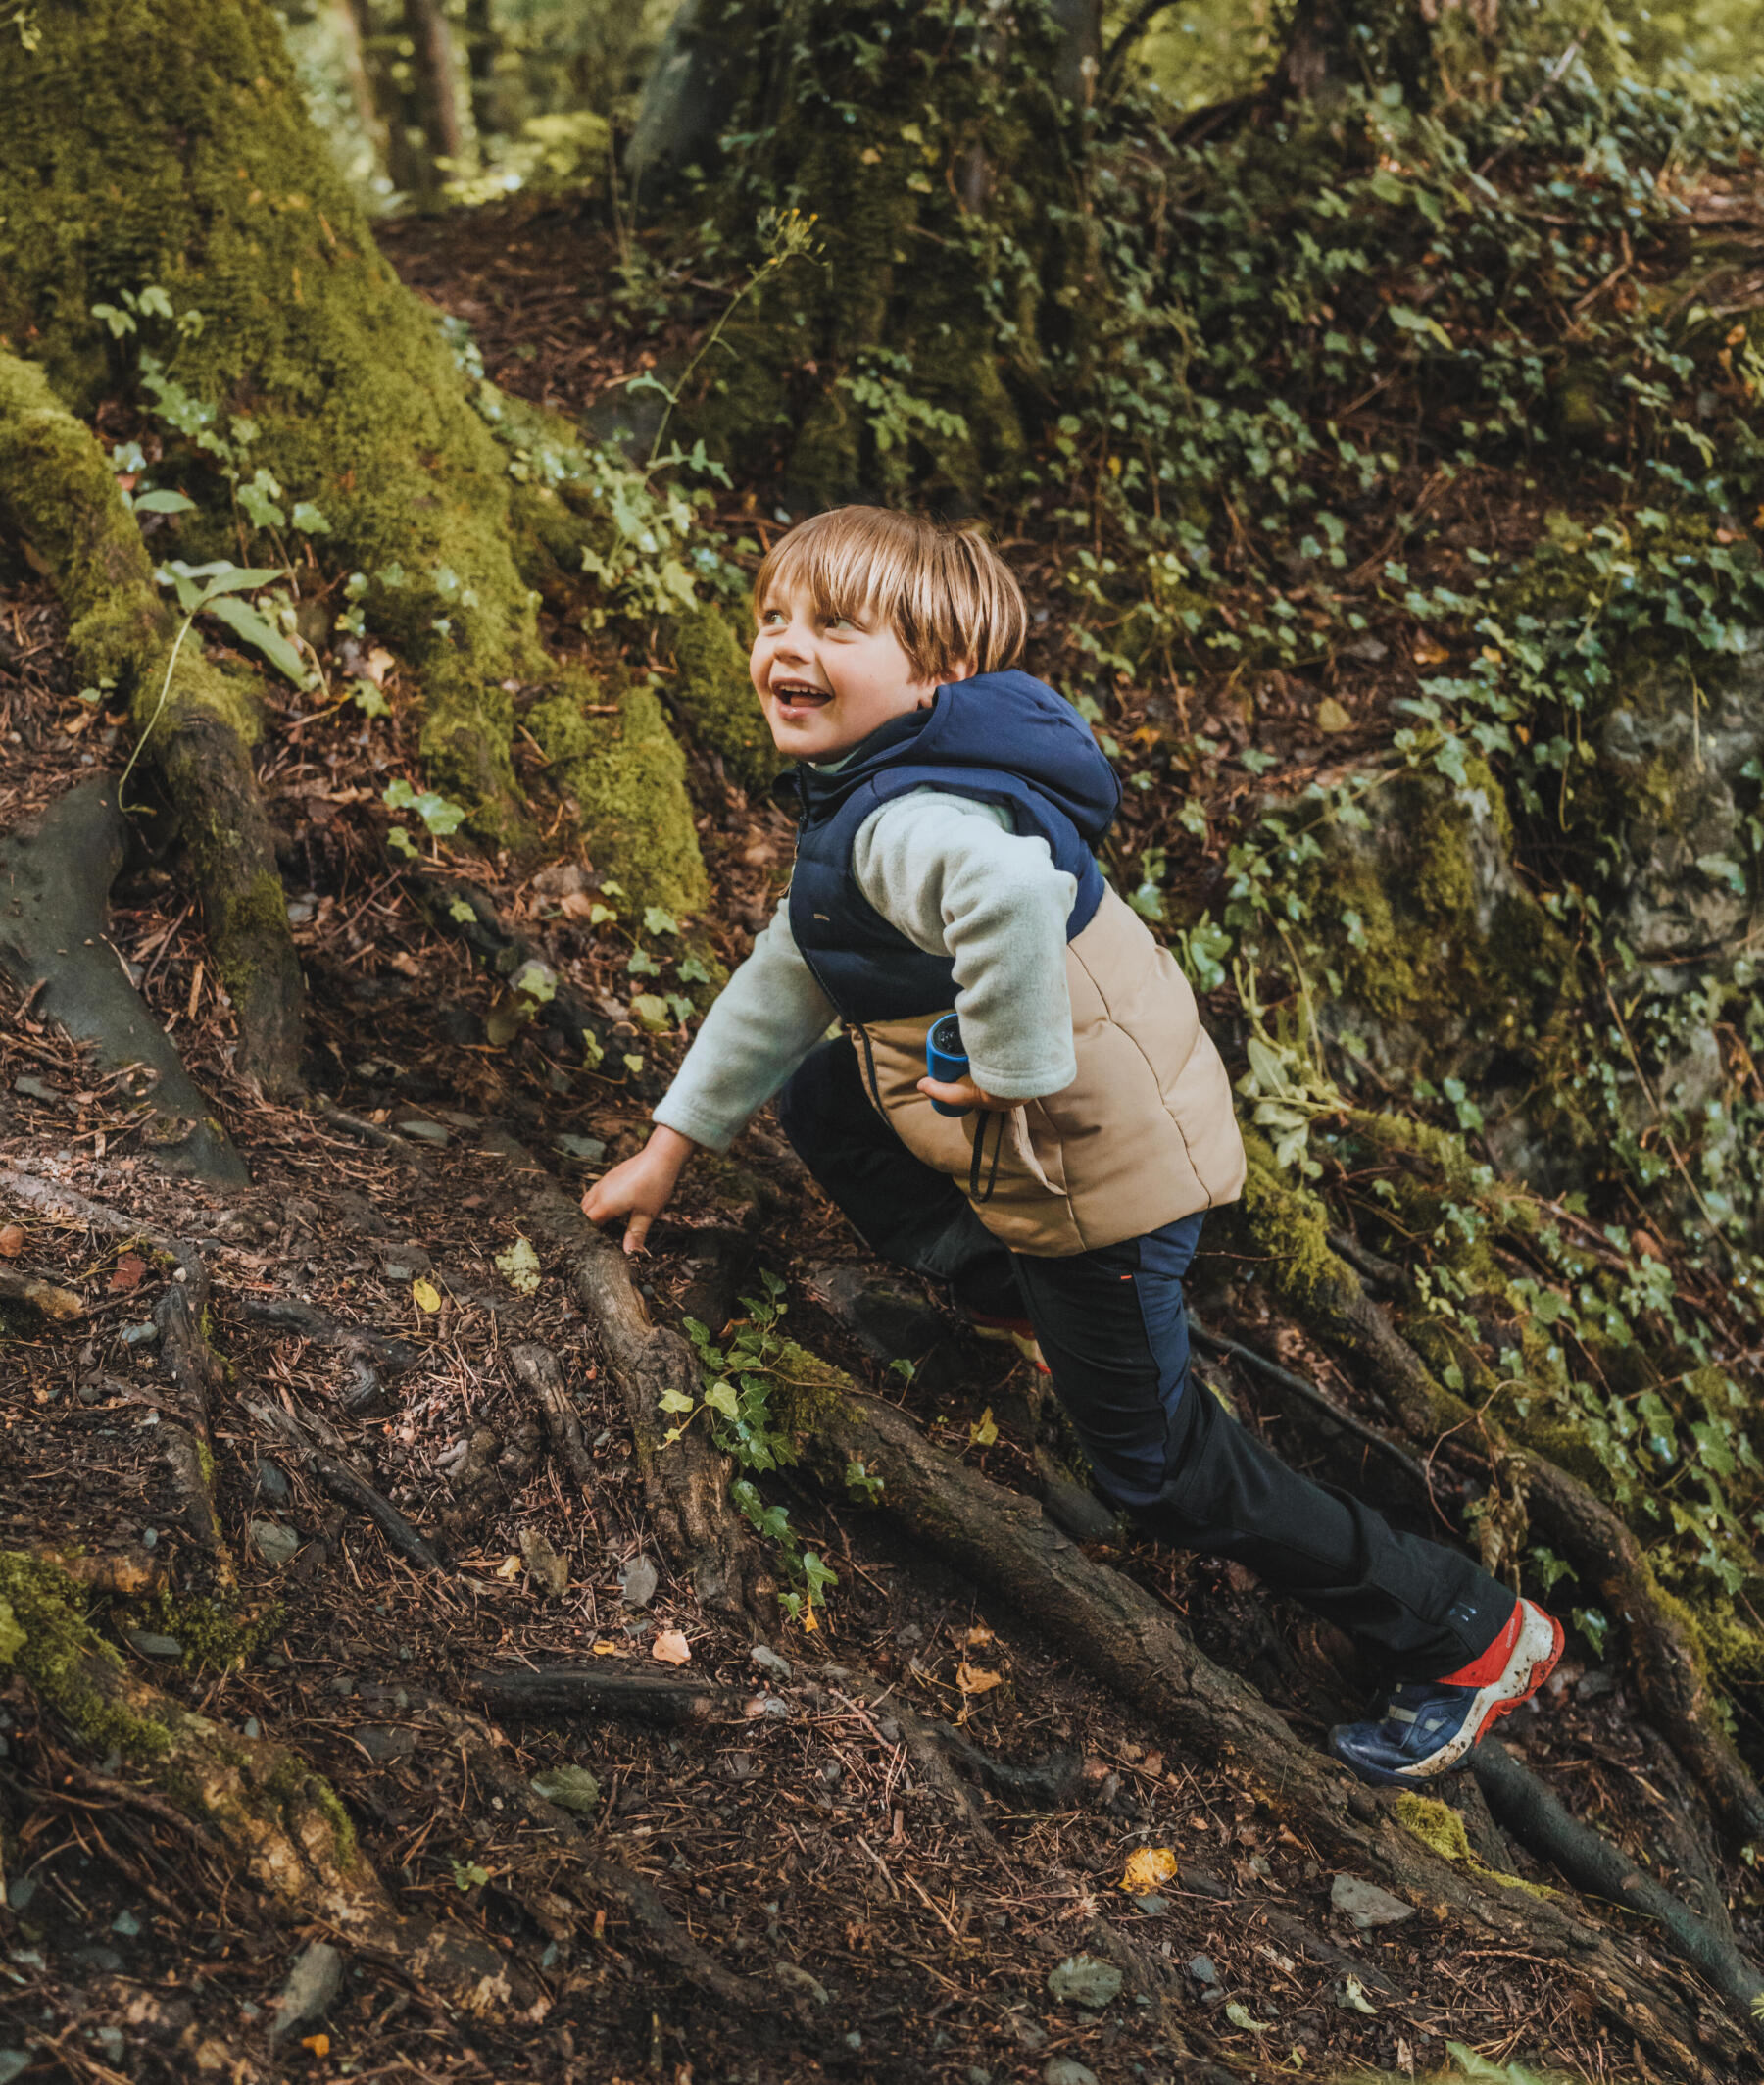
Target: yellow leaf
[(670, 1648), (810, 1622), (318, 2044), (509, 1568), (604, 1648), (1430, 652), (985, 1430), (1149, 1869), (428, 1296), (973, 1679), (1332, 715)]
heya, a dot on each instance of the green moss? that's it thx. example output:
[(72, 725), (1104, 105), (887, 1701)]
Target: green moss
[(713, 693), (66, 1661), (292, 1785), (1440, 1829), (216, 1631), (627, 776), (806, 1390)]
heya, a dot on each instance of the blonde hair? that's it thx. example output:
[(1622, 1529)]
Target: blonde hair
[(945, 593)]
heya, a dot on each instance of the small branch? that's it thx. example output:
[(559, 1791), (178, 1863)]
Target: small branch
[(356, 1492), (60, 1305), (537, 1367)]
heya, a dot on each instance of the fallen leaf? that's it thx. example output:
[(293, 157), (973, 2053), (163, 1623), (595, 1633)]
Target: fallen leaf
[(974, 1638), (378, 664), (604, 1648), (12, 1240), (1351, 1997), (550, 1572), (127, 1272), (1239, 2016), (670, 1648), (973, 1679), (509, 1568), (426, 1295), (1332, 715), (984, 1431), (318, 2044), (518, 1266), (809, 1622), (1149, 1867), (1430, 652)]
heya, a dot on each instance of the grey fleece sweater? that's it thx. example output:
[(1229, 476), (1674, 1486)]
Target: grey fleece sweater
[(950, 875)]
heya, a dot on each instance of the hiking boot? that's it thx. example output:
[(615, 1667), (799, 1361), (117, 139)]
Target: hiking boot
[(1429, 1727)]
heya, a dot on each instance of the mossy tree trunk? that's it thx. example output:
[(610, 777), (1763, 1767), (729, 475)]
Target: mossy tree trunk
[(149, 144), (942, 157)]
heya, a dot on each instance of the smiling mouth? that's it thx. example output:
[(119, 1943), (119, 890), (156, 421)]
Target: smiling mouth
[(798, 695)]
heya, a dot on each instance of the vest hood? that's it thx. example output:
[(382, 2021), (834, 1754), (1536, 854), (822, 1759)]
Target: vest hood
[(1007, 721)]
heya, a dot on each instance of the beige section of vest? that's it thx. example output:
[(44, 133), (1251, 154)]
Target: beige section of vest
[(1144, 1135)]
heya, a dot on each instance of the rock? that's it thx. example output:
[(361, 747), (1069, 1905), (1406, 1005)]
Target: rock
[(142, 1335), (272, 1481), (1085, 1980), (768, 1661), (568, 1787), (1067, 2071), (425, 1132), (385, 1741), (1201, 1968), (548, 1570), (590, 1150), (312, 1987), (276, 1544), (151, 1646), (638, 1581), (1367, 1905), (800, 1982), (14, 2063)]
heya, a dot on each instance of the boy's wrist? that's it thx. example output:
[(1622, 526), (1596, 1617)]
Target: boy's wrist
[(669, 1146)]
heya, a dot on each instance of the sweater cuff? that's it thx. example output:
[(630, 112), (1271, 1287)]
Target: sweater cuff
[(714, 1132), (1031, 1085)]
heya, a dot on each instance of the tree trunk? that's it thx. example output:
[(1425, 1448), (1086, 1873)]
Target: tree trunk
[(436, 83), (1335, 45), (149, 144)]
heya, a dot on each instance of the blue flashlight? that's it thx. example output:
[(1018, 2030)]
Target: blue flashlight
[(945, 1060)]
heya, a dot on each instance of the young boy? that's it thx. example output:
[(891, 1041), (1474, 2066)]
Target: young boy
[(947, 808)]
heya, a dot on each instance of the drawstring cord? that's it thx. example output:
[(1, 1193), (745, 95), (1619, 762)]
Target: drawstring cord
[(975, 1192)]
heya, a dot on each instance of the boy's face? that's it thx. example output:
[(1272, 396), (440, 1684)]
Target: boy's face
[(827, 683)]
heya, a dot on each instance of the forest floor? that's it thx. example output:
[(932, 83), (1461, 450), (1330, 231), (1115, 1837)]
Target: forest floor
[(793, 1837)]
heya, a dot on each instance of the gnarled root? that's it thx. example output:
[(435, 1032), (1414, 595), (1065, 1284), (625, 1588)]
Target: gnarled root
[(198, 723), (1325, 1295), (686, 1489)]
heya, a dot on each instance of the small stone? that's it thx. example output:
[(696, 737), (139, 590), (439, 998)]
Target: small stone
[(385, 1741), (1085, 1980), (343, 1684), (424, 1132), (568, 1787), (36, 1089), (141, 1335), (590, 1150), (1067, 2071), (111, 2040), (1154, 1905), (20, 1893), (151, 1646), (126, 1924), (276, 1544), (638, 1581), (1367, 1905), (14, 2063), (272, 1481), (1200, 1967), (770, 1662), (312, 1988), (800, 1981), (251, 1727)]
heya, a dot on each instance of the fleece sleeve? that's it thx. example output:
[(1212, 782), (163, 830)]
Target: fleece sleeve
[(956, 880), (766, 1021)]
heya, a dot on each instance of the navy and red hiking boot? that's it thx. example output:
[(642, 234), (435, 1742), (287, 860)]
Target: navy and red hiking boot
[(1013, 1331), (1431, 1726)]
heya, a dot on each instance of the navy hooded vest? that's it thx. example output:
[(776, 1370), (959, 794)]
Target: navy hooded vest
[(1001, 738)]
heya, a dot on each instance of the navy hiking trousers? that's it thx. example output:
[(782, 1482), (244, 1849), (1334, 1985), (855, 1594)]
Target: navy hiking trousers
[(1113, 1330)]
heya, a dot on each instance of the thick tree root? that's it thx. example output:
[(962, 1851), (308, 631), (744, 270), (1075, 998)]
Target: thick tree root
[(686, 1490), (1533, 1814), (54, 919), (60, 1306), (537, 1367), (189, 1439), (1326, 1297), (198, 723)]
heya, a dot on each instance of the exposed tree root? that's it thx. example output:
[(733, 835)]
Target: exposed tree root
[(53, 926), (1137, 1646), (188, 1441), (1533, 1814), (686, 1489), (57, 491), (49, 1300), (537, 1367), (1327, 1298)]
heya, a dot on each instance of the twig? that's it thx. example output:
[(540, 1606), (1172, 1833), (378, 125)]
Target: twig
[(350, 1490), (43, 1297)]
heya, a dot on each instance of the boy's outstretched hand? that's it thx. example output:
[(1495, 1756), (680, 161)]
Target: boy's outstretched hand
[(640, 1187)]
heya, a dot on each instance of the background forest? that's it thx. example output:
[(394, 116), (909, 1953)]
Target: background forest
[(431, 1646)]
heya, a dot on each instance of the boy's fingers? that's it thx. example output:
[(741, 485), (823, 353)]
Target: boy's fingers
[(636, 1231)]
